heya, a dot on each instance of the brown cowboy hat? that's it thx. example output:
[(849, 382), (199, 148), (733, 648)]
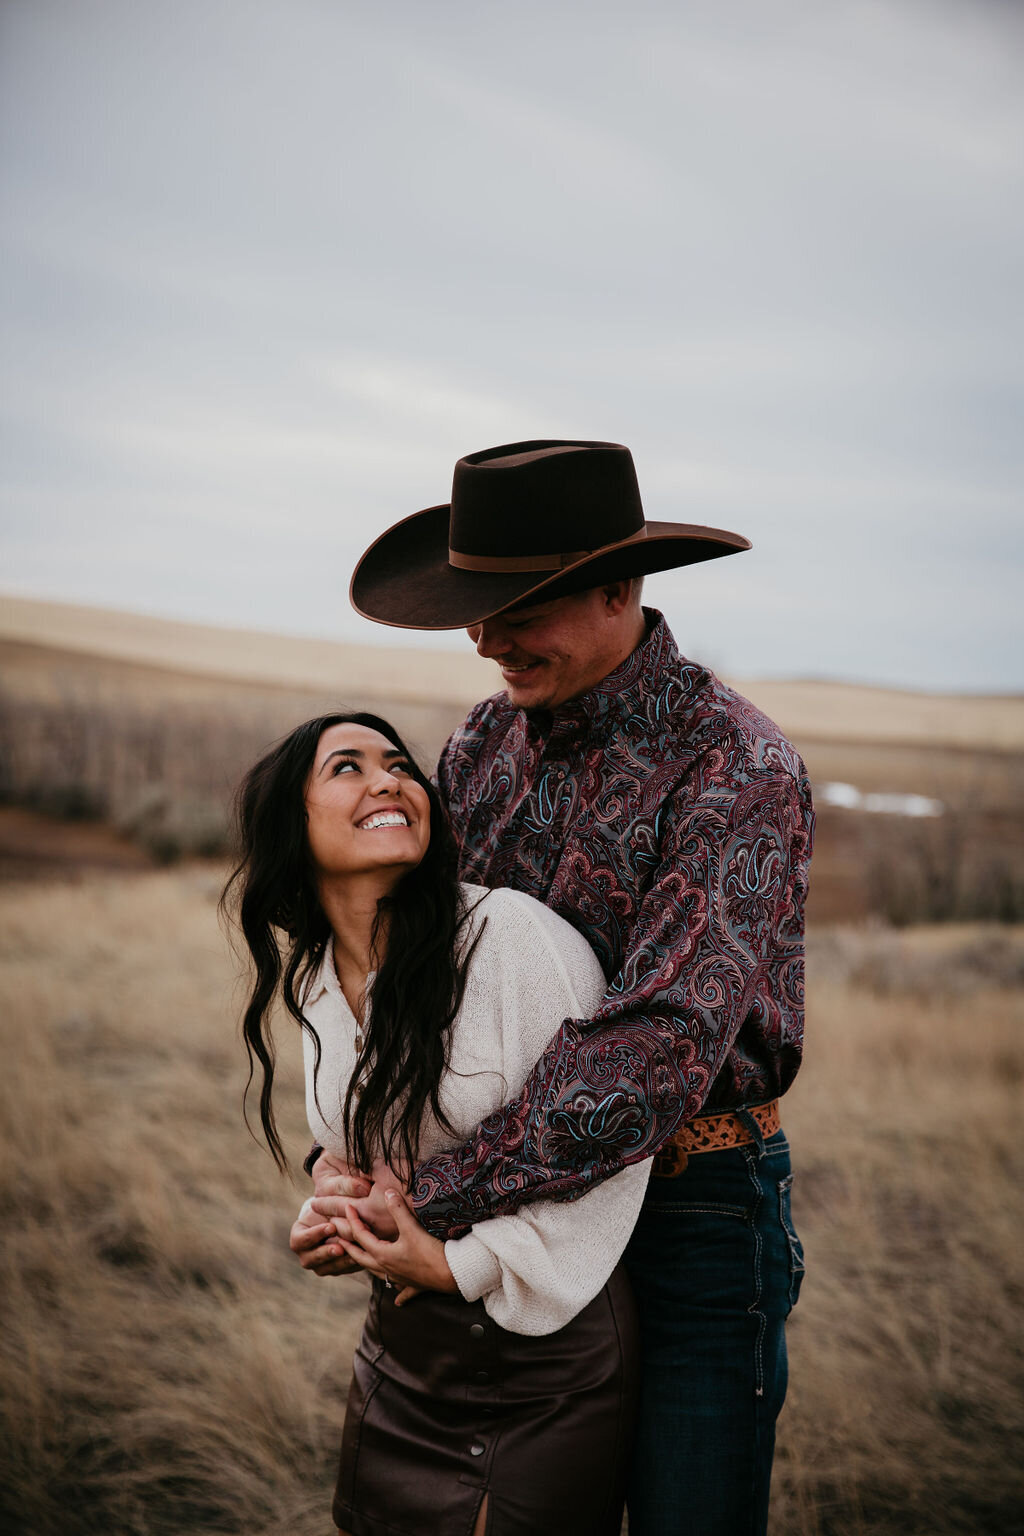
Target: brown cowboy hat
[(527, 522)]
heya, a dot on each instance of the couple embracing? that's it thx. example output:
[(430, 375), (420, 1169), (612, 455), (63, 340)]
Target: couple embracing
[(549, 1004)]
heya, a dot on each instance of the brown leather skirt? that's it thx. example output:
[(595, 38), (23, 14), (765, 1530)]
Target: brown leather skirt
[(446, 1407)]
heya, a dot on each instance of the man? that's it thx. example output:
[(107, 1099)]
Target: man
[(671, 822)]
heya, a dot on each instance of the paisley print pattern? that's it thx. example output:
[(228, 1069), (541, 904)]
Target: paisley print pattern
[(671, 823)]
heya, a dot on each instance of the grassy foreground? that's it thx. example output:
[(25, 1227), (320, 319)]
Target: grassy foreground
[(168, 1369)]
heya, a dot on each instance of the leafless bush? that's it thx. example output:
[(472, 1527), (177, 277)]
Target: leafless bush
[(172, 828), (165, 771), (954, 868), (110, 757)]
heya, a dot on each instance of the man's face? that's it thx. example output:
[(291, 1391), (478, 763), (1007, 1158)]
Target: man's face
[(555, 651)]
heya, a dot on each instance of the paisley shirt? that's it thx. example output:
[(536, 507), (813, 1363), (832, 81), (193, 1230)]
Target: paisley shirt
[(670, 822)]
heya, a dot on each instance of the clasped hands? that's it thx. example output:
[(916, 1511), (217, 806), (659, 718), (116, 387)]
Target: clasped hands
[(363, 1222)]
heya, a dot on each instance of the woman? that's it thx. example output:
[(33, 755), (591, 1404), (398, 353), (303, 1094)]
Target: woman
[(500, 1401)]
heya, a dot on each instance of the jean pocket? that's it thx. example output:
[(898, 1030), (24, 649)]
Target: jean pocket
[(704, 1208), (796, 1247)]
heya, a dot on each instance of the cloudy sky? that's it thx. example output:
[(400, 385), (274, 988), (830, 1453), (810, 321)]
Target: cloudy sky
[(271, 266)]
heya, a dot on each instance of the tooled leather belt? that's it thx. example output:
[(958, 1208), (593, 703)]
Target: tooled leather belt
[(713, 1133)]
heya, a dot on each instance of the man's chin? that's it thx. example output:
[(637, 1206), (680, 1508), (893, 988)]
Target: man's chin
[(528, 691), (526, 695)]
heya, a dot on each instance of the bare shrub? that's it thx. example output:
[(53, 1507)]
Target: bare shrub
[(159, 768), (954, 868), (172, 828)]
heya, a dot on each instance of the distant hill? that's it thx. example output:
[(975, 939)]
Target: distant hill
[(140, 728), (253, 656), (806, 710)]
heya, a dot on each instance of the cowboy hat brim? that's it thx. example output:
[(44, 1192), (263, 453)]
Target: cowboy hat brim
[(404, 579)]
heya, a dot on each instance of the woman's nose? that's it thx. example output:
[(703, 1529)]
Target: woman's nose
[(385, 782)]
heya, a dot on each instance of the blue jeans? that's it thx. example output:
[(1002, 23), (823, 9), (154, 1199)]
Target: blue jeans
[(716, 1266)]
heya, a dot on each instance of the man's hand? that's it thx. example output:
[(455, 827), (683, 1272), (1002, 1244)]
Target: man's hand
[(317, 1244), (414, 1260), (337, 1186), (333, 1176)]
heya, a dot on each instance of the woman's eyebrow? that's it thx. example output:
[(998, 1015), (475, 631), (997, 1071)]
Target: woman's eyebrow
[(339, 752), (354, 753)]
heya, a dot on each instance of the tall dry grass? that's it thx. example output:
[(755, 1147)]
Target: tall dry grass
[(168, 1369), (907, 1400)]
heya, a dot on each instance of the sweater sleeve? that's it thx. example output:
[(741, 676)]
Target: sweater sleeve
[(536, 1268)]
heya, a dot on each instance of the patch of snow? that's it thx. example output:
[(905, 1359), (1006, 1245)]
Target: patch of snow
[(849, 798)]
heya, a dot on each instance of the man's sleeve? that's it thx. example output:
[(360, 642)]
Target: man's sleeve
[(612, 1089)]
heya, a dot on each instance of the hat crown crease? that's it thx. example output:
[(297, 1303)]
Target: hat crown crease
[(557, 499)]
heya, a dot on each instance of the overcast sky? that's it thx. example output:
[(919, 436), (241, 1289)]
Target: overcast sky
[(271, 266)]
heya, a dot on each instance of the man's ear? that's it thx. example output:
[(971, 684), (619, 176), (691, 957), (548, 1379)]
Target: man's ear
[(617, 596)]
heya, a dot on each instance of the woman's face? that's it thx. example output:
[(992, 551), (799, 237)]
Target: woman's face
[(364, 809)]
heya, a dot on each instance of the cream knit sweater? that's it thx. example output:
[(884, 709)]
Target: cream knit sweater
[(530, 970)]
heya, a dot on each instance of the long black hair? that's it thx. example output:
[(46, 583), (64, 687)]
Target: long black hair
[(272, 894)]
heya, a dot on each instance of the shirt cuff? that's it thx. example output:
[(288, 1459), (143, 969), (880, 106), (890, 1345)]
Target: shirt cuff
[(474, 1267)]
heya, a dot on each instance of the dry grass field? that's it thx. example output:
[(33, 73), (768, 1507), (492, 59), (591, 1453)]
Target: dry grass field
[(168, 1370)]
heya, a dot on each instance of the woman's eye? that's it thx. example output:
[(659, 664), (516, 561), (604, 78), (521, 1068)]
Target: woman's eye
[(340, 767), (400, 768)]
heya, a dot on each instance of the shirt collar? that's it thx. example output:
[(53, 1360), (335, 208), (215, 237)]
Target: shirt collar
[(324, 978), (622, 693)]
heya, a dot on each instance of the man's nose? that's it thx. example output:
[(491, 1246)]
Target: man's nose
[(490, 638)]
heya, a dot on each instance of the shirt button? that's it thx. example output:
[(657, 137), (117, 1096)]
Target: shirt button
[(477, 1331), (476, 1449)]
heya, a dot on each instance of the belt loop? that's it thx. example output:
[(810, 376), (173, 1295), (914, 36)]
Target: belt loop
[(750, 1121)]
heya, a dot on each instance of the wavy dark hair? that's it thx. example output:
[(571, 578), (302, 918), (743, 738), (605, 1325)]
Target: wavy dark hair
[(420, 978)]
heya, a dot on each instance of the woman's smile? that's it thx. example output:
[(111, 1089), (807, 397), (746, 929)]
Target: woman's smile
[(383, 819)]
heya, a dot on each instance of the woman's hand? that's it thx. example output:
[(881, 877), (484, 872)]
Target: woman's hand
[(413, 1259), (317, 1245)]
